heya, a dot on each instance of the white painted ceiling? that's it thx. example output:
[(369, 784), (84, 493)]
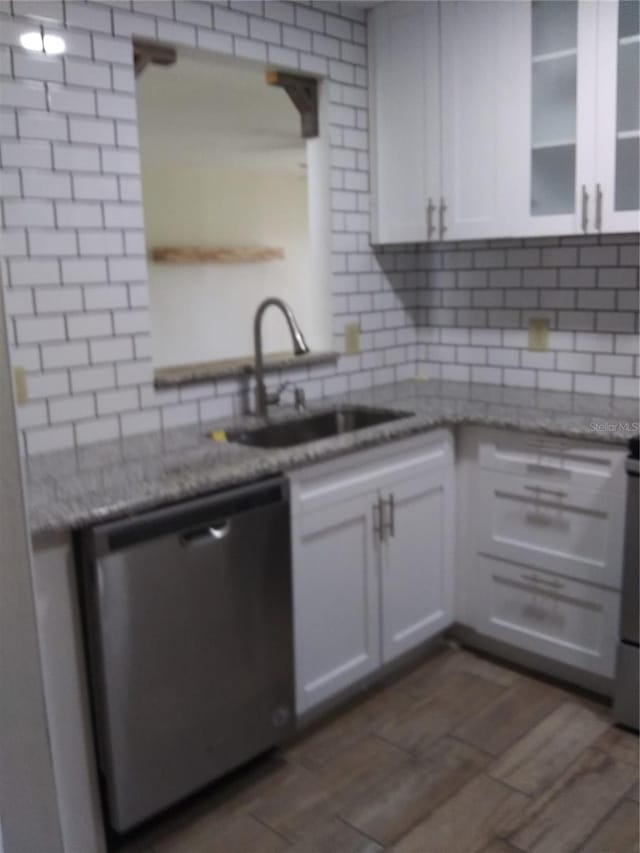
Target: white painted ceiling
[(205, 112)]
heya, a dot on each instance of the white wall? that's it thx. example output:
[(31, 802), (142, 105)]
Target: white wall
[(28, 803), (204, 312)]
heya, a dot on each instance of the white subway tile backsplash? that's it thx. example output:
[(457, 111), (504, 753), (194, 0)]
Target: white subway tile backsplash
[(70, 409), (619, 365), (89, 325), (575, 362), (95, 187), (37, 66), (73, 214), (39, 329), (49, 439), (586, 384), (27, 272), (111, 350), (52, 243), (98, 429), (96, 378), (21, 153), (103, 297), (98, 131), (121, 400), (65, 355), (94, 75), (71, 101), (458, 311), (88, 17), (135, 423), (81, 271), (58, 300)]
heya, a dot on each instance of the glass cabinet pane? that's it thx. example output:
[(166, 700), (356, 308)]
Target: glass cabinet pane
[(627, 187), (554, 36)]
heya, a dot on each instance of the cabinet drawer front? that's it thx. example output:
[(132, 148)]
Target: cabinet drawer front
[(322, 485), (567, 621), (557, 460), (574, 532)]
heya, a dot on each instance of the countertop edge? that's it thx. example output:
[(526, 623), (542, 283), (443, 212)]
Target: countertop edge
[(192, 374), (284, 460)]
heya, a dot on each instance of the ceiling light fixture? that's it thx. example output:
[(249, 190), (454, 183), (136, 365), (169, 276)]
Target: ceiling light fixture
[(41, 43)]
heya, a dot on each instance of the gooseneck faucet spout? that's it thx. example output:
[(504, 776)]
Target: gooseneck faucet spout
[(300, 347)]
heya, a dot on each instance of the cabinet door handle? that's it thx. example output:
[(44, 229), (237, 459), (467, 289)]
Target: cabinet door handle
[(443, 208), (378, 529), (392, 515), (585, 209), (558, 493), (431, 228), (598, 207), (534, 579)]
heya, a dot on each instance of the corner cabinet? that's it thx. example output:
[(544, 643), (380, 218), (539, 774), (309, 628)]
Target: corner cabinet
[(372, 546), (504, 119)]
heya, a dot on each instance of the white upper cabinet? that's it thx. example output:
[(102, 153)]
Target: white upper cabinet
[(504, 119), (405, 109), (477, 144), (617, 188)]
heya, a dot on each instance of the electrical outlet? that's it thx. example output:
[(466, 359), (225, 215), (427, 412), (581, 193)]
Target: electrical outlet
[(539, 334), (351, 339), (20, 380)]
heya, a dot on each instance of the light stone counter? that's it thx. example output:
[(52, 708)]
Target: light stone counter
[(72, 489)]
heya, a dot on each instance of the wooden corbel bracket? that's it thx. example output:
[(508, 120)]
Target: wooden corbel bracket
[(303, 91), (145, 52)]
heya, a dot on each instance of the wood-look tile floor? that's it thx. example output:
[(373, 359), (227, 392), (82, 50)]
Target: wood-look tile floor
[(460, 755)]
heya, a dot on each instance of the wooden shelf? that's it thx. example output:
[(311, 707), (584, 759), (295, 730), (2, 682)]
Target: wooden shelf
[(201, 255)]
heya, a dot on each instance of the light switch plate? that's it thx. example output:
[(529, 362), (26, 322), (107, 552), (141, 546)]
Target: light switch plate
[(20, 380), (539, 334), (351, 339)]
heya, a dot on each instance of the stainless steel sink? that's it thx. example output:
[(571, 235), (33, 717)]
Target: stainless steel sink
[(315, 426)]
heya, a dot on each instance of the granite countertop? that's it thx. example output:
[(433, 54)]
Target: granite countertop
[(75, 488)]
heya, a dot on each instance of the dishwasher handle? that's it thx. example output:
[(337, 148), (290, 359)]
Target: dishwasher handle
[(205, 536), (198, 515)]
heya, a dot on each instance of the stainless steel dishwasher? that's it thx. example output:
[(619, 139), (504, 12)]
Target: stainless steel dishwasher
[(188, 623)]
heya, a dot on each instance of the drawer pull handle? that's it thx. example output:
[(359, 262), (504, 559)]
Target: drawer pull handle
[(378, 528), (557, 493), (534, 579), (534, 467)]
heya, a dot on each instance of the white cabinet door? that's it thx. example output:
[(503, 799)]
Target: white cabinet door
[(477, 127), (335, 598), (617, 189), (405, 121), (554, 116), (417, 559)]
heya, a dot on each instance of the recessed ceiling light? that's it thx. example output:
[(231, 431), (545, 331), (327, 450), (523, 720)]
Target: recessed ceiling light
[(40, 43), (31, 41), (54, 44)]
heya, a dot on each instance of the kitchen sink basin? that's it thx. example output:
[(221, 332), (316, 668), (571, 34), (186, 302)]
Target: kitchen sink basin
[(315, 426)]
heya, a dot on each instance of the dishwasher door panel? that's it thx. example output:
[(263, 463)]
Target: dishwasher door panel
[(194, 657)]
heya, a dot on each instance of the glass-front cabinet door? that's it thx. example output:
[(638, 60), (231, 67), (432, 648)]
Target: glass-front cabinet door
[(618, 147), (561, 115)]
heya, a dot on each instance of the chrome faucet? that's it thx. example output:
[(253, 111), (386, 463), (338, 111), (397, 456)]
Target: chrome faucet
[(299, 348)]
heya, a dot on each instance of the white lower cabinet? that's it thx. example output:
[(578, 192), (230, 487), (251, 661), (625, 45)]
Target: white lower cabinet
[(541, 560), (417, 561), (372, 542), (565, 620)]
